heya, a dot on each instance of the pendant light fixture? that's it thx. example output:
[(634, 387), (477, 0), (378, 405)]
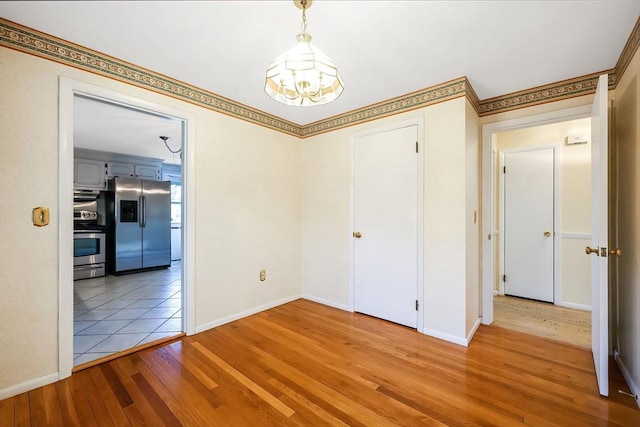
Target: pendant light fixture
[(303, 75)]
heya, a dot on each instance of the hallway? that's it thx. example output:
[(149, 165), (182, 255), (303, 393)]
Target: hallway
[(543, 319)]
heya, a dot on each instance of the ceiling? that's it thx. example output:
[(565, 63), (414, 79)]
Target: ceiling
[(383, 49), (102, 126)]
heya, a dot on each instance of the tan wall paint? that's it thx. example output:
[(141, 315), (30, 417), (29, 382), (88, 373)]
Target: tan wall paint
[(575, 199), (627, 138), (247, 217), (447, 213), (473, 219), (247, 210), (28, 254), (445, 219), (325, 217)]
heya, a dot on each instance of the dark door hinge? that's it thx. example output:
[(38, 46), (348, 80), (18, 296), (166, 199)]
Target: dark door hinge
[(416, 146), (417, 305), (504, 277)]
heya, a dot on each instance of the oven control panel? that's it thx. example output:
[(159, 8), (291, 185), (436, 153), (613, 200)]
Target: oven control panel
[(85, 215)]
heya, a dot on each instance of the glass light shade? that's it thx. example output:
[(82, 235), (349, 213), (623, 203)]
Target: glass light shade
[(303, 76)]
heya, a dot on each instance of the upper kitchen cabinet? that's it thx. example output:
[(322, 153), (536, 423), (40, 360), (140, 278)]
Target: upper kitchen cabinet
[(88, 174), (133, 170), (94, 168), (120, 170), (147, 172)]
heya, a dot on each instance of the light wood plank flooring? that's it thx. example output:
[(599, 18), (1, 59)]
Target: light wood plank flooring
[(543, 319), (303, 363)]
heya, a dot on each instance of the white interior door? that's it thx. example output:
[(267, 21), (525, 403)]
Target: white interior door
[(599, 235), (528, 224), (386, 218)]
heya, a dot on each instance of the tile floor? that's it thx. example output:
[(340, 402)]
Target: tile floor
[(115, 313)]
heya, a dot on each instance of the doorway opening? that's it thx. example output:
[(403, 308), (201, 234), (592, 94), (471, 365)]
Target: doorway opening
[(124, 305), (538, 279)]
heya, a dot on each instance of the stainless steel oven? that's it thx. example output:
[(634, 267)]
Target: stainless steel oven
[(89, 237), (89, 254)]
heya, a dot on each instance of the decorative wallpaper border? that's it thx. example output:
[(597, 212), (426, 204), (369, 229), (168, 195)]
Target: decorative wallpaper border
[(27, 40), (565, 89), (629, 50), (33, 42), (401, 104)]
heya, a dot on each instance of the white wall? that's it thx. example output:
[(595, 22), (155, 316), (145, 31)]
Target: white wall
[(247, 218), (247, 213), (574, 203), (448, 210), (325, 218)]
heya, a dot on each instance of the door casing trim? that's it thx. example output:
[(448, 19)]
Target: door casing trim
[(68, 88)]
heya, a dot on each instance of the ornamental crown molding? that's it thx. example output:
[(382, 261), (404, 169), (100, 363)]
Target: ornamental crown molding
[(33, 42)]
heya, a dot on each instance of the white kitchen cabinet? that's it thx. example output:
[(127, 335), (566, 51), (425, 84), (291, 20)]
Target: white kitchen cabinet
[(120, 170), (147, 172), (133, 170), (88, 174)]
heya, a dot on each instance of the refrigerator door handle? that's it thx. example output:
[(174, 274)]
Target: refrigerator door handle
[(143, 211)]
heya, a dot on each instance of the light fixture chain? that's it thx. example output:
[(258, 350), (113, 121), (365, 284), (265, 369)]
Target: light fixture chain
[(164, 138), (304, 16)]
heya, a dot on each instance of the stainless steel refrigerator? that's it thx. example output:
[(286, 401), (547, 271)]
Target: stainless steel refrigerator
[(141, 224)]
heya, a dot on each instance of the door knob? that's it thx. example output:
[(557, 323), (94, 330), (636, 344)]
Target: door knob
[(617, 252), (590, 250), (547, 234), (357, 234)]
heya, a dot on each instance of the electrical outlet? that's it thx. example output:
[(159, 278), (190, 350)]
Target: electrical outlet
[(263, 275)]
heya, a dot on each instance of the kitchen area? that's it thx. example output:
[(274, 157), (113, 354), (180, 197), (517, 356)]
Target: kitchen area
[(127, 230)]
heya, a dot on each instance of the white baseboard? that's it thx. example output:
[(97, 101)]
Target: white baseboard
[(473, 331), (635, 389), (446, 337), (245, 313), (495, 293), (573, 305), (344, 307), (17, 389)]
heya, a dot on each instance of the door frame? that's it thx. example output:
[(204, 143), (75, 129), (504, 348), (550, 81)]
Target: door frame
[(68, 88), (557, 235), (488, 193), (419, 123)]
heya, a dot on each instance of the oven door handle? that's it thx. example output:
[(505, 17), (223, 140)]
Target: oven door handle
[(87, 267)]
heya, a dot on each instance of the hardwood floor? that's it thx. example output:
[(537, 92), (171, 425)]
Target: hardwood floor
[(303, 363), (543, 319)]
